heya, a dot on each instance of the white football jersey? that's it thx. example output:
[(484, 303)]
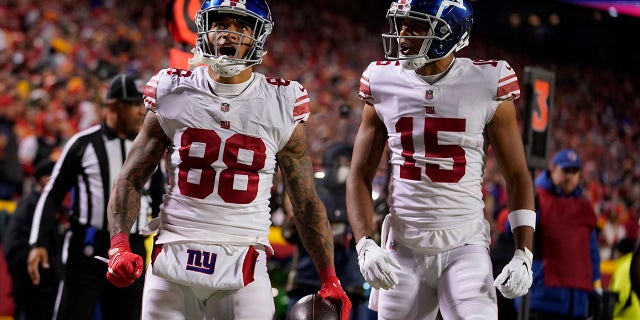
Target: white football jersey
[(436, 138), (223, 158)]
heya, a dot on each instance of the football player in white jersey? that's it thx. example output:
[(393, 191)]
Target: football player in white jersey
[(224, 129), (438, 114)]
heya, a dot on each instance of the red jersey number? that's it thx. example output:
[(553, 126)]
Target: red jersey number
[(409, 170), (278, 81), (200, 164)]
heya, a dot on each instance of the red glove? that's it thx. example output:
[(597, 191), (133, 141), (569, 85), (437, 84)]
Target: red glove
[(332, 290), (124, 266)]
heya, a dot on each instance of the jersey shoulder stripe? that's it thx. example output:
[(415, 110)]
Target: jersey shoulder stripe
[(496, 75), (365, 90), (302, 107), (170, 79), (377, 70), (291, 91), (508, 87), (149, 93)]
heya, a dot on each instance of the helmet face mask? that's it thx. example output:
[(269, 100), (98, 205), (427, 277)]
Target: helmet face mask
[(445, 24), (240, 49)]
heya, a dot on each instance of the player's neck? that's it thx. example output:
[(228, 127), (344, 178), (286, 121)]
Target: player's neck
[(241, 77), (229, 90), (436, 67)]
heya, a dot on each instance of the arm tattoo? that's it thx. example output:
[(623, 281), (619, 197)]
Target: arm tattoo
[(144, 156), (309, 213)]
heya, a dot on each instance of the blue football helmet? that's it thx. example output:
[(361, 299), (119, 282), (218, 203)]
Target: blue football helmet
[(448, 29), (225, 62)]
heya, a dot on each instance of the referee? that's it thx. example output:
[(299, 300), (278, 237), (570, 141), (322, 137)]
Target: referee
[(87, 168)]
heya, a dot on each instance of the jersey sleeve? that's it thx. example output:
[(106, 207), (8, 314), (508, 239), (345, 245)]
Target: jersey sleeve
[(364, 92), (508, 86), (302, 105), (150, 93)]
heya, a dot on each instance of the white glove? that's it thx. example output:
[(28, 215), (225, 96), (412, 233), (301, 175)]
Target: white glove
[(375, 264), (516, 277)]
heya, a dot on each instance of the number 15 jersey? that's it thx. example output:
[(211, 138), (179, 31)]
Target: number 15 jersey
[(436, 135), (223, 155)]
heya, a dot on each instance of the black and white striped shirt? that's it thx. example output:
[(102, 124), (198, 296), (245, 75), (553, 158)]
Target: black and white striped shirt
[(88, 166)]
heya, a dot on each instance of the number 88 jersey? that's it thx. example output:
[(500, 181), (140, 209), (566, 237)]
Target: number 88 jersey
[(436, 136), (222, 161)]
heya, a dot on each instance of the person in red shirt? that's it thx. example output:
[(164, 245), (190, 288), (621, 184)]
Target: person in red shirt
[(566, 261)]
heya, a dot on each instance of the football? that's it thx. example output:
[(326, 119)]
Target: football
[(312, 307)]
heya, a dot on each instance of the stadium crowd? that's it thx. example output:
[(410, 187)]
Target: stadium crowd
[(56, 59)]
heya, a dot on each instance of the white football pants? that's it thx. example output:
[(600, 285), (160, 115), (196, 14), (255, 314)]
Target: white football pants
[(458, 283), (163, 299)]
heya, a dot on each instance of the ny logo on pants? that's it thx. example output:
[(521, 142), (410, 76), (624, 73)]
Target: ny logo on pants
[(201, 261)]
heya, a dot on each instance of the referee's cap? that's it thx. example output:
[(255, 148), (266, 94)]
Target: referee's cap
[(125, 87)]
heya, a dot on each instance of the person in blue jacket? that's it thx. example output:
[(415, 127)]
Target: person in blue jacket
[(566, 259)]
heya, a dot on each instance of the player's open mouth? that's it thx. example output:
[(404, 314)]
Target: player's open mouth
[(405, 50), (228, 51)]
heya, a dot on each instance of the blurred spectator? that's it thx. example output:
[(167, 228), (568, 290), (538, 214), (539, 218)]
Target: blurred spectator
[(10, 170), (635, 268), (563, 284), (47, 139), (346, 127), (80, 105), (627, 306), (33, 302), (611, 222)]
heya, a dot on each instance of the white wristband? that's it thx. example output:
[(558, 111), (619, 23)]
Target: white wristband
[(522, 217)]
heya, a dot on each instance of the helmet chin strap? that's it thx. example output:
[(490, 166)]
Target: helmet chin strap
[(414, 64), (419, 62), (220, 65), (226, 68)]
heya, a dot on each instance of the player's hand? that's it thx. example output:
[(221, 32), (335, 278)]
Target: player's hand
[(332, 290), (37, 256), (516, 277), (375, 264), (124, 266)]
